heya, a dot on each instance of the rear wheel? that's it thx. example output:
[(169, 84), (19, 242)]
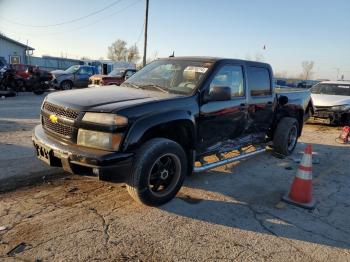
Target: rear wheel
[(286, 136), (159, 170)]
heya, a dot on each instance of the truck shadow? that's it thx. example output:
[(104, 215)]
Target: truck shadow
[(247, 197)]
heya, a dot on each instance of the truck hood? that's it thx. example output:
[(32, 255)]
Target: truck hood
[(61, 74), (57, 72), (107, 99), (329, 100)]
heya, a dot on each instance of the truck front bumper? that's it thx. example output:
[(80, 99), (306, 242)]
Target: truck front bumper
[(54, 83), (333, 116), (80, 160)]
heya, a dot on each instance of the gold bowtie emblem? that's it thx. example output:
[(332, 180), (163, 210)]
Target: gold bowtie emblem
[(53, 119)]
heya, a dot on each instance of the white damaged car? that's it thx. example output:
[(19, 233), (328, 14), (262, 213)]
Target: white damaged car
[(332, 101)]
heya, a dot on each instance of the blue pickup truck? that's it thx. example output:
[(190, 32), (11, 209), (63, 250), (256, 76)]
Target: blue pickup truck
[(74, 76)]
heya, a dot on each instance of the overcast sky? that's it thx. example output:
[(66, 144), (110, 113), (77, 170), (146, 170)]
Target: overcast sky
[(292, 31)]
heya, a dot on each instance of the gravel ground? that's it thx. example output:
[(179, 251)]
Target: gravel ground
[(230, 213), (18, 116)]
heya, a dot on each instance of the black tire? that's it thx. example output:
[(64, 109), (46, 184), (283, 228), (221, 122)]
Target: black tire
[(39, 91), (286, 136), (345, 119), (66, 85), (149, 171), (21, 85)]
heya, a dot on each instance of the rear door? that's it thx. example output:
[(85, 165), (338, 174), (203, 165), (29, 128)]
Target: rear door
[(220, 121), (260, 99)]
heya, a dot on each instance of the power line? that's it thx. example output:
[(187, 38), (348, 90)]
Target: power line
[(139, 37), (65, 22), (89, 24)]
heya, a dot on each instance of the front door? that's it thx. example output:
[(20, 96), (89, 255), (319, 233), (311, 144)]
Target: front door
[(223, 121), (82, 76)]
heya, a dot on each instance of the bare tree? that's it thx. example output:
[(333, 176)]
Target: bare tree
[(133, 54), (118, 51), (307, 69), (259, 57)]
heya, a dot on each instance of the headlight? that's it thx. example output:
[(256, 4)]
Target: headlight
[(105, 119), (100, 140), (341, 108)]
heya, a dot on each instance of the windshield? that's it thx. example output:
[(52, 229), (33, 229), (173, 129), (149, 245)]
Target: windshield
[(72, 69), (118, 72), (170, 76), (331, 89)]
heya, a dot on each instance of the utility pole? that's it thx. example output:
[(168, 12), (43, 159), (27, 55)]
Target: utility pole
[(338, 70), (27, 54), (146, 27)]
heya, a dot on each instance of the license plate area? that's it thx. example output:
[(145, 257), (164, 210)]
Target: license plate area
[(43, 153)]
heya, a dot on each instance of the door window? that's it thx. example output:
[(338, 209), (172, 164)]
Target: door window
[(230, 76), (129, 73), (259, 81), (82, 71), (86, 71)]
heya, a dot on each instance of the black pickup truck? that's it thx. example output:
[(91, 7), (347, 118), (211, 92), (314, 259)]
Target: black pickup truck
[(163, 122)]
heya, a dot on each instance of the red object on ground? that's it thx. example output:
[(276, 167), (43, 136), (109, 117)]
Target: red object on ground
[(300, 193), (345, 134)]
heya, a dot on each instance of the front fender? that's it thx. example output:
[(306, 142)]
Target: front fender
[(141, 126)]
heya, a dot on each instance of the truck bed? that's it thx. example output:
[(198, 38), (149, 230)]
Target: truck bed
[(295, 95)]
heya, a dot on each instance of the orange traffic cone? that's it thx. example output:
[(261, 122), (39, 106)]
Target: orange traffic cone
[(300, 193)]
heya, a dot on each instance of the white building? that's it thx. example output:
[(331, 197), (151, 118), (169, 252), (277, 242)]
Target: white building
[(13, 52)]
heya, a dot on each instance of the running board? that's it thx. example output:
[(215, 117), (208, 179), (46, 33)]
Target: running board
[(208, 166)]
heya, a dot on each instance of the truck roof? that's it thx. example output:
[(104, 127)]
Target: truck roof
[(210, 59)]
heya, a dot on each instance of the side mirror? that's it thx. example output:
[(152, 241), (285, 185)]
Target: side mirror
[(283, 100), (220, 93)]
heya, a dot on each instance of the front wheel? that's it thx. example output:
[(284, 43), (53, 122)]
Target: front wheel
[(66, 85), (21, 85), (286, 136), (159, 170)]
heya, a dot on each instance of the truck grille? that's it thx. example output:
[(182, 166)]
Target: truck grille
[(60, 111), (57, 128)]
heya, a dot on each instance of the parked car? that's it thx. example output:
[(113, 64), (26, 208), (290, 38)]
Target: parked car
[(115, 77), (74, 76), (332, 101), (158, 126)]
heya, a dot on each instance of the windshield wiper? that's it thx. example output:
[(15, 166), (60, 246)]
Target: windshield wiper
[(155, 87)]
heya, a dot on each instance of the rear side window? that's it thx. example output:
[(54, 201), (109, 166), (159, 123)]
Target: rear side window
[(259, 81)]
